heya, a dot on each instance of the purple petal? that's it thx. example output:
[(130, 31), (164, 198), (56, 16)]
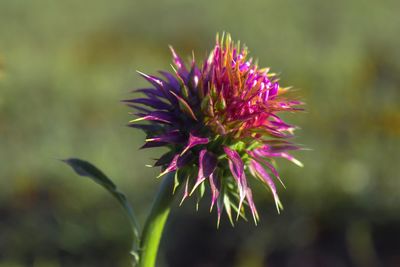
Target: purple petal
[(249, 197), (269, 165), (258, 171), (235, 162), (266, 152), (171, 167), (173, 82), (178, 63), (185, 107), (274, 90), (164, 159), (176, 162), (214, 189), (149, 92), (194, 76), (154, 103), (160, 116), (207, 165), (186, 192), (171, 137), (279, 145), (276, 142), (279, 123), (277, 133), (148, 128), (153, 144), (220, 208), (281, 126), (194, 141), (237, 169), (162, 91), (158, 83), (228, 210), (139, 108), (282, 148), (184, 159)]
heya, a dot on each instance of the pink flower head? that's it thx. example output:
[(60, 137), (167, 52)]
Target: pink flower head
[(220, 123)]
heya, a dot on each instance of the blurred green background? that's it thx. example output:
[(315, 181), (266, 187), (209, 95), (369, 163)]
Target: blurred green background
[(64, 66)]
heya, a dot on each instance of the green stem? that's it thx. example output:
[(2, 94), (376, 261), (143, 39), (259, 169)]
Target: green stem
[(154, 226)]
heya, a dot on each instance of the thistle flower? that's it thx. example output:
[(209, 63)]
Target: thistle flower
[(220, 124)]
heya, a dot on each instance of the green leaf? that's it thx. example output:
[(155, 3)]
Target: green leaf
[(84, 168), (200, 194), (227, 204)]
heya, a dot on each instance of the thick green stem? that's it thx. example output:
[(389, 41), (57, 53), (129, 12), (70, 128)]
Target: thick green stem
[(154, 226)]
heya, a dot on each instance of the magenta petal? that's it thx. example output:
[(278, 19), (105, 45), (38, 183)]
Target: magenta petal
[(207, 165), (194, 141)]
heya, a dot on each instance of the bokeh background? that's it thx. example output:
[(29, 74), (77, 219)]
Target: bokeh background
[(64, 66)]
